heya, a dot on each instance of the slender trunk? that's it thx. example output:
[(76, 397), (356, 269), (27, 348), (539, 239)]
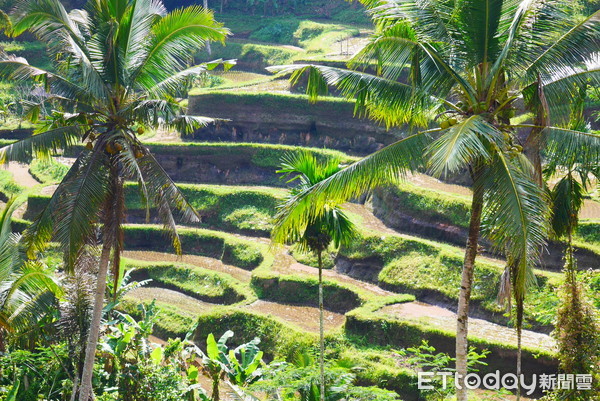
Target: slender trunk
[(465, 288), (215, 390), (321, 327), (85, 390), (519, 348)]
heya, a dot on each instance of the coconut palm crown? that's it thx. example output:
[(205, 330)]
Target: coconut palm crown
[(118, 66), (470, 66), (330, 227)]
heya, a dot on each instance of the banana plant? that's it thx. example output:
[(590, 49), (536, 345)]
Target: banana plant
[(241, 366), (246, 369)]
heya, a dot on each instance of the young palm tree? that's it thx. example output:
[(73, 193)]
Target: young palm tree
[(27, 290), (468, 65), (118, 66), (329, 226)]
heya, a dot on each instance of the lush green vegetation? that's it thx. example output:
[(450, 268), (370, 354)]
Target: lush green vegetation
[(234, 312)]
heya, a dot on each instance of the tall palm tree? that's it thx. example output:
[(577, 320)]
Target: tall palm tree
[(27, 289), (329, 226), (118, 66), (467, 65), (576, 327)]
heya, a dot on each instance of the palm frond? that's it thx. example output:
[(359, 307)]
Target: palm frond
[(515, 215), (383, 100), (41, 145), (383, 167), (460, 145), (567, 199), (166, 196), (482, 22), (173, 38), (571, 48)]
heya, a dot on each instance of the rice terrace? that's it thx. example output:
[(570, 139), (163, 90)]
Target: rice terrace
[(311, 200)]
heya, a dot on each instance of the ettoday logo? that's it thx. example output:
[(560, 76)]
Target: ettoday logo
[(508, 381)]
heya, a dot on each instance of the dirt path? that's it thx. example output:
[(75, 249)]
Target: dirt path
[(446, 319), (368, 219), (21, 174), (307, 318), (428, 182), (181, 301), (200, 261)]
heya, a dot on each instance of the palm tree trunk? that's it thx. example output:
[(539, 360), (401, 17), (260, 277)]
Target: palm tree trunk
[(85, 390), (321, 327), (462, 320), (519, 348)]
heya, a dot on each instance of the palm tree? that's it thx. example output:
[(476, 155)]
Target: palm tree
[(329, 226), (118, 66), (576, 326), (467, 65), (27, 289)]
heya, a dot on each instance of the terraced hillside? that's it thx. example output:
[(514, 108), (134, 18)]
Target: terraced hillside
[(389, 289)]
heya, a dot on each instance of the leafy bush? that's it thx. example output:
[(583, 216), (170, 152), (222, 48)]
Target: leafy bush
[(278, 340)]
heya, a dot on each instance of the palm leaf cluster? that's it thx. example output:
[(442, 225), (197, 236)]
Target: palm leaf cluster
[(470, 66), (27, 289), (331, 226), (118, 67), (455, 73)]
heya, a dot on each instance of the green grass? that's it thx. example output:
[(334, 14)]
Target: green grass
[(48, 172), (431, 205), (315, 37), (203, 284), (422, 267), (366, 322), (279, 40), (251, 56), (213, 244), (34, 52), (11, 123), (236, 209), (259, 154), (8, 186)]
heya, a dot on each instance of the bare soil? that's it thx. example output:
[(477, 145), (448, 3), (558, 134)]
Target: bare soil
[(175, 298), (305, 317), (445, 319), (21, 174), (200, 261)]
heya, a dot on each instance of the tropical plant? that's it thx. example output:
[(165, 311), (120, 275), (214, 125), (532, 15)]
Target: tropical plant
[(116, 65), (329, 226), (298, 381), (28, 290), (219, 362), (425, 358), (577, 330), (467, 65)]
